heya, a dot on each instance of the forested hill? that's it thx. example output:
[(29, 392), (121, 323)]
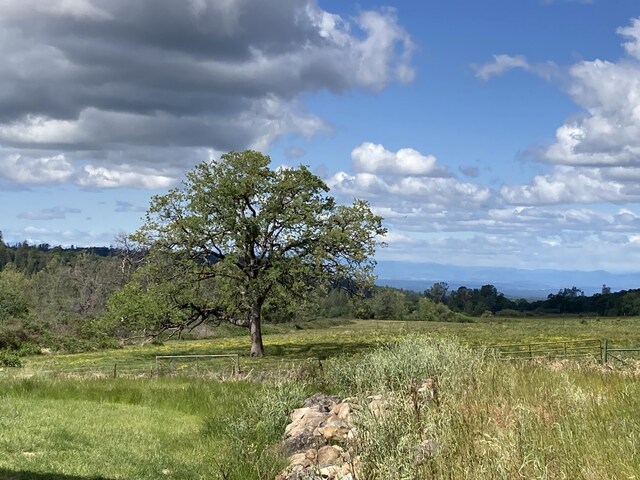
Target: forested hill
[(53, 297), (31, 259)]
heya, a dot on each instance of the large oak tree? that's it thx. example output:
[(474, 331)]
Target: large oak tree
[(238, 234)]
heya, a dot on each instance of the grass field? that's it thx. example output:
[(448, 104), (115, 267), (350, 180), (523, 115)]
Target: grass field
[(286, 345), (118, 429), (498, 420)]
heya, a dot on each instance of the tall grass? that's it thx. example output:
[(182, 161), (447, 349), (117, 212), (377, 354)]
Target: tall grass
[(491, 419)]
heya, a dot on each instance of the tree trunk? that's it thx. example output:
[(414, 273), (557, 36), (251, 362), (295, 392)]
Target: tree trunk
[(257, 349)]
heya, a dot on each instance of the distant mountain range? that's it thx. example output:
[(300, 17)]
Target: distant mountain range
[(513, 282)]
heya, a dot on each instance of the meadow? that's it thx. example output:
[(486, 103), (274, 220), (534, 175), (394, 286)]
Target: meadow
[(289, 344), (63, 417)]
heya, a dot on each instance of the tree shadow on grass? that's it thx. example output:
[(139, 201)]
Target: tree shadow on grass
[(23, 475), (318, 349)]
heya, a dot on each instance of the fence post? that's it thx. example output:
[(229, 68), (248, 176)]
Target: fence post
[(605, 353), (115, 370)]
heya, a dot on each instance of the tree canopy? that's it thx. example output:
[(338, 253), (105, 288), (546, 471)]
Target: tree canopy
[(241, 234)]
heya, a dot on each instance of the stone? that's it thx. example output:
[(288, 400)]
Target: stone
[(298, 413), (310, 441), (301, 443), (336, 430), (298, 459), (325, 402), (342, 411), (317, 424), (329, 472), (329, 455), (307, 422)]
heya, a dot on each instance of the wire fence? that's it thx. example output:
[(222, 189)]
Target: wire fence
[(583, 348), (214, 366), (226, 366), (590, 348)]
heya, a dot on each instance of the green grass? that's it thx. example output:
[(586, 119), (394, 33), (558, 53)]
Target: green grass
[(127, 429), (496, 420), (287, 346)]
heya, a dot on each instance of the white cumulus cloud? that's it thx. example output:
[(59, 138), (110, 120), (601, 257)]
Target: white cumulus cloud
[(36, 170), (632, 32), (374, 158), (101, 177), (595, 157), (504, 63)]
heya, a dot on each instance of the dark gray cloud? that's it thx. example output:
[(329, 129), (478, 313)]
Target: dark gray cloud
[(94, 78), (470, 171)]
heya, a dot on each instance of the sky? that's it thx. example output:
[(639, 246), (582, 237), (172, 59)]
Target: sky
[(494, 133)]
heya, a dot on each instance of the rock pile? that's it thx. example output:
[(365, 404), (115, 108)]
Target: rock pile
[(319, 438), (317, 441)]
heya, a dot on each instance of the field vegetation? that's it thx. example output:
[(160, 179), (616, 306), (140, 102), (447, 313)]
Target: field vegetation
[(495, 419), (290, 343)]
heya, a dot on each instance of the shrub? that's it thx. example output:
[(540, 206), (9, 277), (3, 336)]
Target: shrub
[(12, 336), (397, 366), (8, 359), (430, 311), (28, 348)]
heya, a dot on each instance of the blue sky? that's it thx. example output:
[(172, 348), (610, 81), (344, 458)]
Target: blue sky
[(494, 133)]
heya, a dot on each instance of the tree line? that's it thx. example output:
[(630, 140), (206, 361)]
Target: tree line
[(30, 259), (486, 300)]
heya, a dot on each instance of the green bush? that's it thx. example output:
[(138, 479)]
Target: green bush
[(430, 311), (13, 336), (28, 348), (397, 366), (8, 359)]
